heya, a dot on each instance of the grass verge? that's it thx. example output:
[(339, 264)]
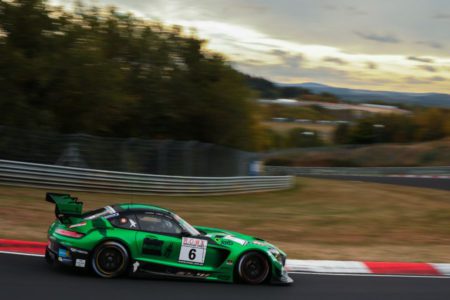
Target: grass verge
[(319, 219)]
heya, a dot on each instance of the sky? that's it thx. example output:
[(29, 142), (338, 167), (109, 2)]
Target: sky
[(397, 45)]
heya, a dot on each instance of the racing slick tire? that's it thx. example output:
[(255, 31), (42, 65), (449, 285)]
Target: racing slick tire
[(253, 268), (110, 259)]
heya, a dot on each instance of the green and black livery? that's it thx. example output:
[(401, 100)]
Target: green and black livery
[(144, 239)]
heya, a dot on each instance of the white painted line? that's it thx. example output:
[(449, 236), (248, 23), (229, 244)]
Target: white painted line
[(327, 266), (23, 254), (371, 275)]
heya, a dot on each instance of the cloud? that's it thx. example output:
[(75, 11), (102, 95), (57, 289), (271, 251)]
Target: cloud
[(371, 65), (253, 62), (414, 80), (421, 59), (283, 73), (386, 38), (291, 60), (254, 8), (330, 7), (428, 80), (431, 44), (374, 46), (438, 79), (355, 10), (335, 60), (350, 9), (442, 16), (428, 68)]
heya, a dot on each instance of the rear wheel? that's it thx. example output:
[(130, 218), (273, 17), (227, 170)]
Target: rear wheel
[(110, 259), (253, 268)]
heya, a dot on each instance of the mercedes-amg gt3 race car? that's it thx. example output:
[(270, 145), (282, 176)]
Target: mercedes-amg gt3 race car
[(136, 238)]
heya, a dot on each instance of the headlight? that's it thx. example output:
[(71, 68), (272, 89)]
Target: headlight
[(277, 255)]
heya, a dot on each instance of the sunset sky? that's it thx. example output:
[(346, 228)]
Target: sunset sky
[(401, 45)]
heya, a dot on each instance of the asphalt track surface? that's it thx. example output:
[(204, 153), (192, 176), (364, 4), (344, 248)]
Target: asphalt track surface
[(24, 277), (433, 183)]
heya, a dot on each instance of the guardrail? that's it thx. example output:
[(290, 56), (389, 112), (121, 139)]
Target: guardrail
[(78, 179), (362, 171)]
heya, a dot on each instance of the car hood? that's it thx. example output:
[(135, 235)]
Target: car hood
[(223, 236)]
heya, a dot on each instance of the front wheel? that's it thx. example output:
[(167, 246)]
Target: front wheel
[(110, 260), (253, 268)]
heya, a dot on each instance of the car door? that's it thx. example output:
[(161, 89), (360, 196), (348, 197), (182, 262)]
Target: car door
[(159, 238), (161, 241)]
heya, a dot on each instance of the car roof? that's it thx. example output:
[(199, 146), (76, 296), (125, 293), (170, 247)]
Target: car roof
[(138, 206)]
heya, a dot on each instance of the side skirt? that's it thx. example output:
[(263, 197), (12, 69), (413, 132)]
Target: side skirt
[(156, 270)]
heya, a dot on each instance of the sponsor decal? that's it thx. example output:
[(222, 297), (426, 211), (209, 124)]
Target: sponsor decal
[(236, 240), (135, 266), (229, 262), (65, 260), (74, 250), (193, 251), (132, 224), (191, 274), (152, 247), (78, 225), (259, 243), (64, 253), (80, 263), (168, 250), (227, 243)]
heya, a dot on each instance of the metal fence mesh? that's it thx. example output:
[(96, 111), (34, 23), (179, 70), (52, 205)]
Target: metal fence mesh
[(164, 157)]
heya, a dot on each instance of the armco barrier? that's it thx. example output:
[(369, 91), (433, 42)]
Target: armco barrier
[(373, 171), (68, 178)]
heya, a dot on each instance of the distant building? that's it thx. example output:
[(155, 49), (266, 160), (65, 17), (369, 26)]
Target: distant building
[(357, 108), (287, 102)]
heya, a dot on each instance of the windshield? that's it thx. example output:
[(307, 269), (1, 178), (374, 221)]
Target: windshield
[(186, 226)]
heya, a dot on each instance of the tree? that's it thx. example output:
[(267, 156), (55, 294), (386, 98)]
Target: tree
[(431, 124), (103, 72), (341, 134)]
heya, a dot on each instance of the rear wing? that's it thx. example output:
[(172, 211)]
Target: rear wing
[(65, 205)]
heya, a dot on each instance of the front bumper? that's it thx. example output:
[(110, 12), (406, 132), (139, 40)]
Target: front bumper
[(283, 279)]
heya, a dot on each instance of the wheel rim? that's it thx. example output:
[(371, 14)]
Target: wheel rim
[(254, 268), (109, 260)]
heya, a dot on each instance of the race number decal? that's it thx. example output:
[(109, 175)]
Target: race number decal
[(193, 251)]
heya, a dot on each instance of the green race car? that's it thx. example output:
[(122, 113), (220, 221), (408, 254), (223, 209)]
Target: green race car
[(138, 238)]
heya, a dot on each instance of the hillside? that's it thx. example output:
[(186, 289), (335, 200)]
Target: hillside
[(436, 153), (357, 95)]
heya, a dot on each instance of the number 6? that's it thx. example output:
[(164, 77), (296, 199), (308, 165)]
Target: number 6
[(192, 254)]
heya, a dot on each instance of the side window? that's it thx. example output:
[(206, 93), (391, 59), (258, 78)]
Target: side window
[(125, 222), (158, 223)]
